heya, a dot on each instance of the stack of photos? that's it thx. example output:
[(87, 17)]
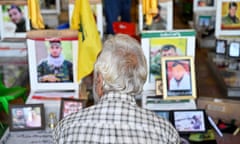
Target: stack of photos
[(159, 44)]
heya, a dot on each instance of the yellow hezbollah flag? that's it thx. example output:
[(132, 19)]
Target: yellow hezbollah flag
[(34, 14), (149, 8), (89, 41)]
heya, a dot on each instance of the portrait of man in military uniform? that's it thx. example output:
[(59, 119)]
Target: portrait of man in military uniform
[(231, 17), (54, 67)]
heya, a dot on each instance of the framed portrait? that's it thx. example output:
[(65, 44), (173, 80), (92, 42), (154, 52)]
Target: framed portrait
[(189, 121), (204, 23), (206, 19), (221, 46), (160, 44), (204, 5), (27, 117), (228, 17), (69, 106), (52, 62), (234, 49), (97, 8), (14, 19), (163, 114), (178, 75), (158, 18)]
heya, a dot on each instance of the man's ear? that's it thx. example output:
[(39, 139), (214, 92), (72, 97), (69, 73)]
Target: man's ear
[(99, 85)]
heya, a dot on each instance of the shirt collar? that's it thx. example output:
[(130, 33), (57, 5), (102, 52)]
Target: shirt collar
[(117, 97)]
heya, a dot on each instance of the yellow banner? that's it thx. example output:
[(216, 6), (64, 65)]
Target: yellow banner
[(89, 37)]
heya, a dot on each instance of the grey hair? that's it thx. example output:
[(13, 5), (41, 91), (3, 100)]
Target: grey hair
[(122, 65)]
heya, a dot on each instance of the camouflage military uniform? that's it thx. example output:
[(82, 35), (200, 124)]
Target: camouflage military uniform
[(228, 20), (64, 73)]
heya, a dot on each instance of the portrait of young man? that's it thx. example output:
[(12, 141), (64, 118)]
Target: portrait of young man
[(14, 19), (179, 78), (231, 17), (54, 63)]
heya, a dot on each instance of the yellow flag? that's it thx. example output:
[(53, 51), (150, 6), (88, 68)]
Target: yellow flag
[(34, 14), (149, 8), (88, 38)]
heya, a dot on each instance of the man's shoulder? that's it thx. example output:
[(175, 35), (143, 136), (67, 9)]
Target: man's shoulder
[(67, 62), (226, 20), (43, 61)]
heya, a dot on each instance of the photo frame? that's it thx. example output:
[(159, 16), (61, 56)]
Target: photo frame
[(189, 121), (204, 5), (224, 24), (204, 23), (178, 75), (162, 21), (221, 46), (27, 117), (14, 27), (64, 76), (154, 42), (234, 49), (69, 106)]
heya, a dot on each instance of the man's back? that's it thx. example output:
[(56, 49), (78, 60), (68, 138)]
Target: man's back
[(116, 119)]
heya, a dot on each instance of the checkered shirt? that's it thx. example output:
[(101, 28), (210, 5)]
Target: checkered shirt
[(116, 119)]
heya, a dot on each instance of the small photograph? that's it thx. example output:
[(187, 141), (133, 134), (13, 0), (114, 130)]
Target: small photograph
[(188, 121), (206, 25), (27, 117), (178, 78), (227, 18), (230, 15), (234, 49), (54, 61), (159, 21), (221, 46), (69, 106), (158, 16), (14, 20)]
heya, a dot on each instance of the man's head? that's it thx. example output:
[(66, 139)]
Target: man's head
[(168, 50), (15, 14), (178, 70), (19, 113), (120, 67), (232, 9), (55, 48)]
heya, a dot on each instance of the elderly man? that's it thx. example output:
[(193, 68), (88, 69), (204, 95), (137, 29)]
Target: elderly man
[(119, 74)]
